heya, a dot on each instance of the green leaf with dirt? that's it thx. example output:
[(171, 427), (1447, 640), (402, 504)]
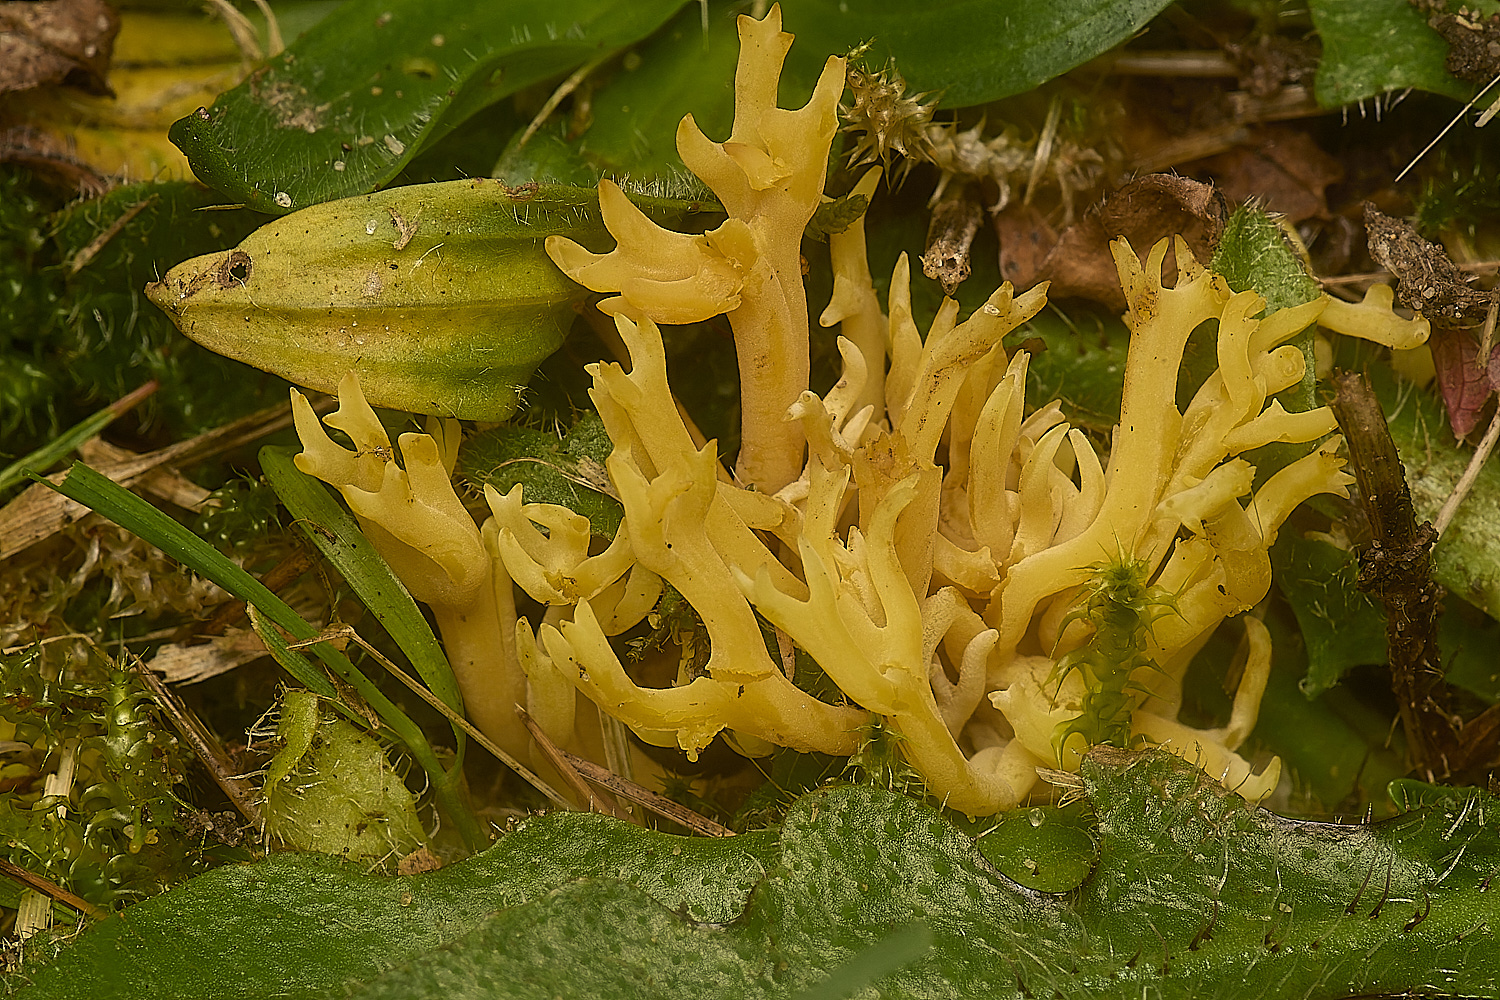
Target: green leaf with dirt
[(349, 104)]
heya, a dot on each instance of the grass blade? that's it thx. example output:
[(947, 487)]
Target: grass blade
[(337, 535), (110, 500), (70, 439)]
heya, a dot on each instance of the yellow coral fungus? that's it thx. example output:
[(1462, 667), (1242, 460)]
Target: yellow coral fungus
[(937, 550), (769, 176)]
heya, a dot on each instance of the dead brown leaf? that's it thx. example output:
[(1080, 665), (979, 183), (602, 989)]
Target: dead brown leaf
[(50, 158), (1283, 169), (1079, 263), (56, 42), (1026, 238)]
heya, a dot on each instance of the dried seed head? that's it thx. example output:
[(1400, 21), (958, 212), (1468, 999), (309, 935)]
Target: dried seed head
[(885, 119)]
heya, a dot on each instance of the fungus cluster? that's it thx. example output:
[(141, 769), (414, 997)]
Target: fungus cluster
[(935, 548)]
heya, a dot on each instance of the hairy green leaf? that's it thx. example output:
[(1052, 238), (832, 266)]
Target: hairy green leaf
[(1193, 894), (567, 471), (1374, 47), (1466, 560), (331, 789), (1341, 626)]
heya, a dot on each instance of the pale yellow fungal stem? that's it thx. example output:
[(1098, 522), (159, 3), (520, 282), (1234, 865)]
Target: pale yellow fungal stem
[(854, 304), (769, 176), (416, 522), (551, 698), (1373, 319), (993, 509)]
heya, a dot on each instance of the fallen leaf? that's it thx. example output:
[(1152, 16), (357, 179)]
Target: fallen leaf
[(1465, 384), (1283, 169), (49, 157), (1026, 238), (1141, 210)]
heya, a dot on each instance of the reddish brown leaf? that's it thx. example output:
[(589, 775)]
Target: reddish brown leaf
[(1026, 238), (1466, 387)]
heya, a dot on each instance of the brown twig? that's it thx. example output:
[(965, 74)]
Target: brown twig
[(1397, 569), (659, 804), (598, 802), (82, 257), (207, 748), (950, 236), (32, 880)]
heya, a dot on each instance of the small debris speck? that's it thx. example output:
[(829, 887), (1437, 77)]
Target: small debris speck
[(438, 41), (396, 146)]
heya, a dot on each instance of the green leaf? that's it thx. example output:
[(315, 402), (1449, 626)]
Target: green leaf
[(681, 70), (1341, 626), (1255, 254), (1374, 47), (331, 789), (348, 104), (567, 471), (316, 925), (1466, 559), (1043, 848), (836, 216), (972, 52), (1344, 628), (1340, 749), (896, 950), (1194, 895)]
